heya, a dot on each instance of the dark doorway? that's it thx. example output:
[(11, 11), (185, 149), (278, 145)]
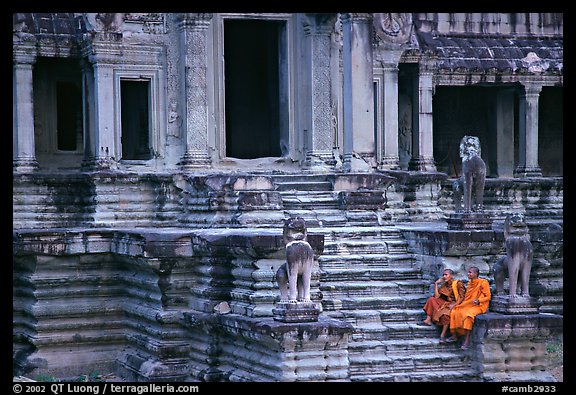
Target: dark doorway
[(255, 88), (135, 120), (460, 111), (68, 116), (551, 131)]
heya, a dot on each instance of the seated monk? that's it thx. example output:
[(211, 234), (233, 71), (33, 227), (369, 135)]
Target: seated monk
[(476, 301), (437, 307)]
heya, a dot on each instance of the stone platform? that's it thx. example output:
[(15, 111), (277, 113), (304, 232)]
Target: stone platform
[(512, 347), (506, 304)]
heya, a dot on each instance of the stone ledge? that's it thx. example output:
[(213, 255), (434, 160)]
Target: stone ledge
[(154, 243), (268, 327), (503, 326)]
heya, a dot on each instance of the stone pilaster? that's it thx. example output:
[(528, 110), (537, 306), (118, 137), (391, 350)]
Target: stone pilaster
[(194, 46), (23, 150), (100, 146), (528, 132), (422, 132), (88, 121), (359, 143), (387, 143), (319, 146)]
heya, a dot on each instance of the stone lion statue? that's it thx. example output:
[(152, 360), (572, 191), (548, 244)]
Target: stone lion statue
[(518, 260), (470, 187), (294, 275)]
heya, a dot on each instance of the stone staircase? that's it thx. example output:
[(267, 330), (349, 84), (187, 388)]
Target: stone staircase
[(369, 278)]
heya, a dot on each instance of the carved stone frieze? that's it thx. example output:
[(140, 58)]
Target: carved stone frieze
[(151, 23)]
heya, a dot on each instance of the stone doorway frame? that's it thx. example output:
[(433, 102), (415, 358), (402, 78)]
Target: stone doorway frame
[(216, 68)]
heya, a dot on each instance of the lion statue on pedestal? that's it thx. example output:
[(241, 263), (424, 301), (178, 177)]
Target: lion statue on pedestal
[(294, 275), (470, 187), (517, 263)]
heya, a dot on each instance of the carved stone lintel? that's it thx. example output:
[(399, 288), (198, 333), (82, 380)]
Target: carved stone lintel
[(296, 312)]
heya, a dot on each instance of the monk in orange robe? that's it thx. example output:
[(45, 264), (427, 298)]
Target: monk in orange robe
[(476, 301), (437, 307)]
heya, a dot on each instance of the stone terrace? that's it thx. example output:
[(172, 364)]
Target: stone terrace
[(124, 272)]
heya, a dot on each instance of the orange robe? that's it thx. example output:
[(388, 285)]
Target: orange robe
[(438, 308), (462, 316)]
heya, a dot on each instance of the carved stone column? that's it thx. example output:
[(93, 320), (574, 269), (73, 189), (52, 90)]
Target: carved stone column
[(23, 150), (319, 144), (422, 133), (194, 46), (528, 132), (359, 143)]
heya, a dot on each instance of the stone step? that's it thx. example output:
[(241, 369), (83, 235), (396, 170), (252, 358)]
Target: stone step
[(361, 233), (369, 273), (340, 289), (426, 375), (400, 331), (403, 348), (319, 218), (301, 185), (306, 203), (363, 363), (382, 302), (388, 316), (281, 178), (365, 246), (366, 260)]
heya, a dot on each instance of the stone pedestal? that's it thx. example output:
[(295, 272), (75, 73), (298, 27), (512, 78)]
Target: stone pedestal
[(506, 304), (235, 348), (513, 347), (469, 221), (296, 312)]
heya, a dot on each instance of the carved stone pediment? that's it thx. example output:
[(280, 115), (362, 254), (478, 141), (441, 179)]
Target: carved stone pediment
[(393, 28), (109, 22)]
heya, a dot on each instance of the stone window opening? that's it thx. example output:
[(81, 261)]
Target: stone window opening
[(135, 119)]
